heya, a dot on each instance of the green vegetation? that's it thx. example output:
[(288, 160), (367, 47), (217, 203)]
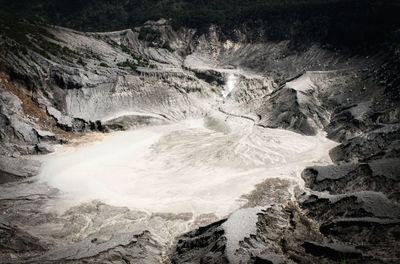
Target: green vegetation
[(55, 49), (129, 64), (20, 30), (339, 22), (125, 49), (94, 56), (112, 43), (149, 34), (167, 47), (81, 62), (34, 36), (153, 36), (16, 49), (137, 57), (138, 61), (103, 64)]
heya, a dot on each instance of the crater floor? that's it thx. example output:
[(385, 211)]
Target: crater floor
[(201, 166)]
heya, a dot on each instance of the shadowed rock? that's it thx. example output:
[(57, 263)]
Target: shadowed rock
[(13, 169)]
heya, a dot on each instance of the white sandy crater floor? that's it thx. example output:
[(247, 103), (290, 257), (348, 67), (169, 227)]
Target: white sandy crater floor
[(179, 168)]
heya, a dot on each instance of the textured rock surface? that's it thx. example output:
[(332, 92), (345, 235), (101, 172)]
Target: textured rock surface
[(347, 211), (14, 168), (353, 105)]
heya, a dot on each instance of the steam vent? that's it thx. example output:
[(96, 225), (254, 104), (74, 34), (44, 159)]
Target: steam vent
[(200, 132)]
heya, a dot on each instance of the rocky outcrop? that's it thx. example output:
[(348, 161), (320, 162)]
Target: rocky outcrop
[(71, 82), (15, 241), (284, 109), (17, 168), (279, 235), (346, 204), (128, 248), (207, 244), (17, 132), (376, 144), (379, 176)]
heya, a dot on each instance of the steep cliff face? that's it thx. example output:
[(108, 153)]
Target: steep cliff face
[(58, 84)]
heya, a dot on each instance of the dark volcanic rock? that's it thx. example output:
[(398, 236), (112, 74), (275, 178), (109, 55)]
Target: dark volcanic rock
[(333, 251), (210, 76), (205, 245), (376, 144), (15, 240), (282, 235), (378, 175), (361, 204), (282, 109)]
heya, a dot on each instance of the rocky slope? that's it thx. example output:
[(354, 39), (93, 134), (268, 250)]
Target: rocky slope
[(58, 84)]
